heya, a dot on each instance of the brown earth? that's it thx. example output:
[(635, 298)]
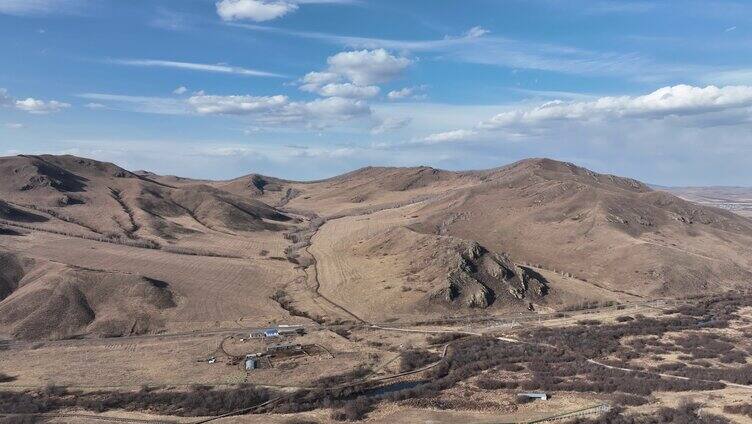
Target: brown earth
[(90, 249)]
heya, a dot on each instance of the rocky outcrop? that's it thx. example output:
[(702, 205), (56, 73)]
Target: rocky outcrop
[(482, 278)]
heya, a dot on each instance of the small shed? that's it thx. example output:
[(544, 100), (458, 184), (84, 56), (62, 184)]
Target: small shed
[(535, 395)]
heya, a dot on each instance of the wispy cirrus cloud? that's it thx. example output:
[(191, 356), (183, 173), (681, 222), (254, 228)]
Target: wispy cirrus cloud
[(142, 104), (264, 110), (41, 7), (199, 67), (374, 43), (477, 45)]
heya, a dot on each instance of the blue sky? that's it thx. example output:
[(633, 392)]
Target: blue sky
[(660, 91)]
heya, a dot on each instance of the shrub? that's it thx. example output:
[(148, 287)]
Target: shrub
[(521, 399), (740, 409), (416, 358)]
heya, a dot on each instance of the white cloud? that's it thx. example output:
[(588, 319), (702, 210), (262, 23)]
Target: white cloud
[(30, 104), (336, 107), (39, 7), (361, 69), (255, 10), (265, 10), (277, 110), (142, 104), (14, 125), (476, 32), (266, 110), (449, 136), (347, 90), (180, 90), (35, 106), (446, 43), (320, 78), (201, 67), (390, 124), (365, 67), (679, 101), (400, 94), (407, 93), (236, 105), (95, 106)]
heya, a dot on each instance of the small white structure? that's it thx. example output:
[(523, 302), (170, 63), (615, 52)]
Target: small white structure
[(535, 395)]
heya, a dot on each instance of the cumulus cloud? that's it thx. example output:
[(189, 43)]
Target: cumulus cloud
[(36, 106), (264, 10), (180, 90), (365, 67), (237, 105), (255, 10), (320, 78), (336, 107), (347, 90), (280, 109), (406, 93), (352, 74), (30, 104), (401, 93), (675, 112), (449, 136), (678, 101), (476, 32)]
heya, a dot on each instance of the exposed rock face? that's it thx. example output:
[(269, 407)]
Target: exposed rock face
[(260, 184), (482, 278)]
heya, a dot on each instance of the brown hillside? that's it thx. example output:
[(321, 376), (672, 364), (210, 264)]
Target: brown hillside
[(93, 249), (55, 301), (611, 230), (105, 199)]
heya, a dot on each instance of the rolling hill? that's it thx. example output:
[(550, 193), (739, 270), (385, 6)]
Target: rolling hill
[(375, 244)]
